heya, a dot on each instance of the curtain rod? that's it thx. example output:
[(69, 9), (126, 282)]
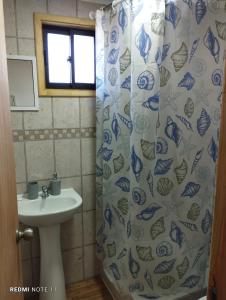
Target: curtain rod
[(107, 6), (113, 5)]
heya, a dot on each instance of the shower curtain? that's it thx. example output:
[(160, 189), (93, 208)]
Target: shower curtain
[(159, 86)]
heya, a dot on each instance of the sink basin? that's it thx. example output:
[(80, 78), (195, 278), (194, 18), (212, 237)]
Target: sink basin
[(50, 211), (47, 214)]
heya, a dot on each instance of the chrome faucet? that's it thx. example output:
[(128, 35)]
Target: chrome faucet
[(45, 192)]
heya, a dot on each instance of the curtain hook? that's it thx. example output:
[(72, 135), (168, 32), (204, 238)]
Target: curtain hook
[(92, 15), (114, 4)]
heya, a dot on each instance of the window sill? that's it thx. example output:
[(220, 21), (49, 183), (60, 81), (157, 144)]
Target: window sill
[(66, 93)]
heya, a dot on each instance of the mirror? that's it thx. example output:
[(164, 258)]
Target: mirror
[(22, 83)]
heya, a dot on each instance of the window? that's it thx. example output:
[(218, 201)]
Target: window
[(69, 56), (65, 50)]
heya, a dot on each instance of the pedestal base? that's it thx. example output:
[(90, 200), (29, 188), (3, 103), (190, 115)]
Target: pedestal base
[(52, 274)]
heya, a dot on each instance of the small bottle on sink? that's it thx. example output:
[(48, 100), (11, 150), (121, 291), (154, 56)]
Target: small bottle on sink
[(55, 185)]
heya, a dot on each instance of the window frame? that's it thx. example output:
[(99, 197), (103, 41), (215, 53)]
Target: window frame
[(64, 23), (69, 32)]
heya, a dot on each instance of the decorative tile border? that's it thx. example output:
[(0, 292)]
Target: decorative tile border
[(88, 132), (66, 133), (18, 135), (49, 134)]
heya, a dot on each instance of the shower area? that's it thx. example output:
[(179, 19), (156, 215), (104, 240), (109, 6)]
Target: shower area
[(159, 89)]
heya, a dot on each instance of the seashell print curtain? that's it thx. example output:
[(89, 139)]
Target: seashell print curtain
[(159, 87)]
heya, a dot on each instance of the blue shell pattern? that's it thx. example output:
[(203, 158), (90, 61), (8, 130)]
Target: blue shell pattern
[(156, 131), (143, 43)]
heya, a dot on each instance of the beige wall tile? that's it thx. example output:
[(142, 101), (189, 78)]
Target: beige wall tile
[(90, 262), (17, 120), (84, 8), (9, 17), (68, 157), (71, 233), (11, 46), (88, 156), (21, 188), (89, 223), (25, 11), (89, 192), (26, 47), (88, 112), (41, 119), (20, 161), (73, 265), (66, 112), (67, 8), (40, 162)]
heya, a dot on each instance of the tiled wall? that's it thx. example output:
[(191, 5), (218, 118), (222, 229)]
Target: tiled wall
[(61, 137)]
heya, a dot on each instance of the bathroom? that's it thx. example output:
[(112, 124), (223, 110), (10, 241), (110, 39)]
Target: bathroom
[(66, 132)]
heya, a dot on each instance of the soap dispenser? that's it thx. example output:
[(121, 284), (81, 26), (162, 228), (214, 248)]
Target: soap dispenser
[(55, 185)]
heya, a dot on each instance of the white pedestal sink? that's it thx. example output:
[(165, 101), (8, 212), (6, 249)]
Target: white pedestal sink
[(47, 214)]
